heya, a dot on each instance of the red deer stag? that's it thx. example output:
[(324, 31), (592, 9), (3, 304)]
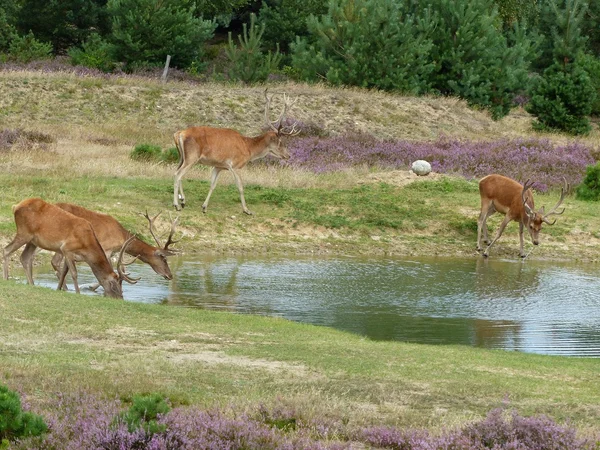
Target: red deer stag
[(507, 196), (41, 224), (224, 148), (112, 236)]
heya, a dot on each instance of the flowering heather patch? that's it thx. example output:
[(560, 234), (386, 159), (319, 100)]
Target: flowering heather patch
[(81, 422), (536, 159)]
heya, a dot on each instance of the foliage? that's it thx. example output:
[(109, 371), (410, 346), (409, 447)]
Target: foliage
[(14, 423), (367, 43), (562, 99), (286, 19), (146, 152), (7, 30), (27, 48), (82, 422), (591, 65), (473, 58), (144, 412), (513, 12), (94, 52), (63, 23), (538, 159), (589, 189), (248, 63), (170, 155), (144, 32)]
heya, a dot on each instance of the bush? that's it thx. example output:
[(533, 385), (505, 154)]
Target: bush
[(14, 423), (170, 155), (146, 152), (144, 412), (562, 99), (95, 53), (589, 189), (591, 65), (27, 48), (248, 62)]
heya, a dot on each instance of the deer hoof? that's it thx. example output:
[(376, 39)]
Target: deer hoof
[(247, 211)]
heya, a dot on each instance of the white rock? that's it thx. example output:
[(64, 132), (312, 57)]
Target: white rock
[(421, 167)]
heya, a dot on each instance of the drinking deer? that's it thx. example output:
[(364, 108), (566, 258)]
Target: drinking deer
[(112, 235), (41, 224), (507, 196), (224, 148)]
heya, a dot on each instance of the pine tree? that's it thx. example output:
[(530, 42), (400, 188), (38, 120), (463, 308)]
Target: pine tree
[(367, 43)]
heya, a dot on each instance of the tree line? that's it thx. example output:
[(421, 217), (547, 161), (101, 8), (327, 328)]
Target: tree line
[(495, 54)]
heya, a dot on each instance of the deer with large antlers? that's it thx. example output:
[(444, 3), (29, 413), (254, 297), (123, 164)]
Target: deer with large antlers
[(507, 196), (112, 235), (41, 224), (227, 149)]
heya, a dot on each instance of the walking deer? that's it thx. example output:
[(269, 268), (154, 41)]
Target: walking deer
[(504, 195), (112, 235), (41, 224), (224, 148)]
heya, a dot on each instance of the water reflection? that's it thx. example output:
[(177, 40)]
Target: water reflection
[(526, 306)]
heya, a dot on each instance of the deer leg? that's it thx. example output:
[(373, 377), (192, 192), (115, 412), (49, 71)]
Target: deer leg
[(62, 274), (71, 266), (16, 244), (57, 262), (498, 234), (487, 209), (521, 241), (240, 187), (178, 188), (27, 261), (213, 182)]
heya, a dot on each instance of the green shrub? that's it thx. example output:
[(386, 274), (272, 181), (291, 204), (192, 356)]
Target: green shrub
[(170, 155), (589, 189), (562, 99), (146, 152), (95, 52), (143, 413), (27, 48), (14, 423), (591, 65), (248, 62)]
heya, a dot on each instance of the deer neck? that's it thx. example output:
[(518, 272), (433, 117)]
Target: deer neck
[(140, 249), (260, 146)]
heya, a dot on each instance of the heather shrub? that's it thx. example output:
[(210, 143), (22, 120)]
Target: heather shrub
[(589, 189), (538, 159), (146, 152), (144, 413), (10, 137), (14, 423)]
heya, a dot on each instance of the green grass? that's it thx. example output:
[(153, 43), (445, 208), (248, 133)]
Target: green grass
[(52, 342)]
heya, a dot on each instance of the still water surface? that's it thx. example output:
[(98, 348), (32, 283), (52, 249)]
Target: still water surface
[(531, 306)]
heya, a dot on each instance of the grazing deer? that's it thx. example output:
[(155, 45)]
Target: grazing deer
[(41, 224), (112, 236), (224, 148), (507, 196)]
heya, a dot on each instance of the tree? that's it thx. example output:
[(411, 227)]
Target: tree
[(63, 23), (368, 43), (473, 58), (286, 19), (144, 32)]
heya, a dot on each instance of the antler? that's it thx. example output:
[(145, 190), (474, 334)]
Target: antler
[(530, 212), (169, 239), (563, 192), (287, 104), (121, 265)]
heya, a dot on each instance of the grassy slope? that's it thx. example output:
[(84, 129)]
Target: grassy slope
[(96, 122), (53, 341)]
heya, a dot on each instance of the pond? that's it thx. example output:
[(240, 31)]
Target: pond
[(528, 306)]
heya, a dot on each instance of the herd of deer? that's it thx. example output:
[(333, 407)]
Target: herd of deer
[(76, 234)]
